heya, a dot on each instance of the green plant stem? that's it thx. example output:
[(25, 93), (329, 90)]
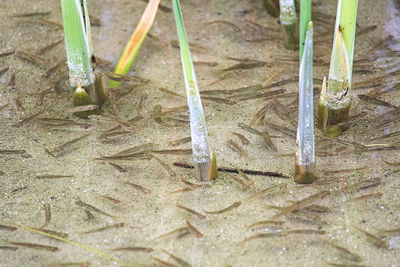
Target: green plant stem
[(305, 18), (203, 157), (305, 152), (288, 20), (346, 18), (77, 43), (335, 101)]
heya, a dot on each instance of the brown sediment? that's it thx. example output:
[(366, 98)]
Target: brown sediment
[(305, 173)]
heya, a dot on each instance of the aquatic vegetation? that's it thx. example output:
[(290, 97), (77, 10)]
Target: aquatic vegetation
[(305, 152), (305, 18), (136, 41), (335, 100), (288, 20), (204, 159), (89, 86)]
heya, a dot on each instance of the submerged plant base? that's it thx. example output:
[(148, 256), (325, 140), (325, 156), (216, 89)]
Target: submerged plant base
[(304, 173), (272, 7), (290, 36), (207, 171), (89, 95), (329, 117)]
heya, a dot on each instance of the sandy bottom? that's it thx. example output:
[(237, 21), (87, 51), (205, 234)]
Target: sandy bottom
[(357, 189)]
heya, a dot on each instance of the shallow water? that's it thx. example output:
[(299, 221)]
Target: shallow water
[(148, 216)]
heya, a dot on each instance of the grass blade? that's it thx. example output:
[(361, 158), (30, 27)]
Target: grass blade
[(77, 43), (137, 38), (305, 152), (305, 18), (203, 157)]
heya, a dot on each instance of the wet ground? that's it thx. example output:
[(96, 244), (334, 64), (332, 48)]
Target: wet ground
[(357, 186)]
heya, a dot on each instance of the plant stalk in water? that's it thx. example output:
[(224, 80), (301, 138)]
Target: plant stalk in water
[(305, 152), (288, 20), (335, 101), (305, 18), (87, 86), (203, 157), (137, 38)]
